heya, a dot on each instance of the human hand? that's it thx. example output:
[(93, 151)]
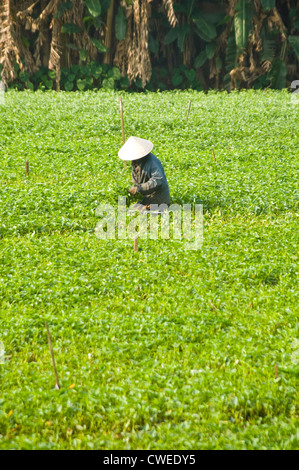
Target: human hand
[(133, 190)]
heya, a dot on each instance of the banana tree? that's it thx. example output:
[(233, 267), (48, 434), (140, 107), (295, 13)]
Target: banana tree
[(219, 43)]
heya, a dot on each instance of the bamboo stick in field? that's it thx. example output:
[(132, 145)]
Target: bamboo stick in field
[(52, 356), (26, 168), (122, 126), (188, 112), (214, 158)]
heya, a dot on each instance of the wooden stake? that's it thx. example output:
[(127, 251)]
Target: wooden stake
[(122, 126), (214, 158), (27, 168), (136, 244), (212, 305), (52, 356), (188, 112), (276, 371)]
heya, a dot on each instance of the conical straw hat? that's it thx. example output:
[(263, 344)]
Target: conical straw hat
[(135, 148)]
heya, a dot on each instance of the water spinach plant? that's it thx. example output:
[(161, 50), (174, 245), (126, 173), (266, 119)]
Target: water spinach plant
[(162, 348)]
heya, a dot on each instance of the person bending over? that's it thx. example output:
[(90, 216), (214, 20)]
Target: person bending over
[(148, 175)]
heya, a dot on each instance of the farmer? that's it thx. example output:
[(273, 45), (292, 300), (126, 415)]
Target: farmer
[(148, 175)]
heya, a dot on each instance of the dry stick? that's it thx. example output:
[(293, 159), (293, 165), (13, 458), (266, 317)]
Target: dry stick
[(136, 244), (276, 371), (214, 158), (27, 168), (212, 305), (188, 112), (52, 355), (122, 126)]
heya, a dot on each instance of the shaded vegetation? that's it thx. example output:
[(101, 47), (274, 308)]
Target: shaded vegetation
[(164, 348), (150, 44)]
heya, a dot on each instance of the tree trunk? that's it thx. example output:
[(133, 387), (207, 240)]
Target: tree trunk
[(8, 51), (46, 43), (56, 47)]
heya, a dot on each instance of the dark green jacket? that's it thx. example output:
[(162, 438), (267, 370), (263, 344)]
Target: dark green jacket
[(149, 177)]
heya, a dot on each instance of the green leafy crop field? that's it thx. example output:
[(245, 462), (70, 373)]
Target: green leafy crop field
[(162, 348)]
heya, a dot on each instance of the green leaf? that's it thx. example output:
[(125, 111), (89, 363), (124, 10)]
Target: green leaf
[(87, 18), (25, 41), (210, 50), (216, 17), (84, 70), (81, 84), (230, 53), (269, 49), (200, 60), (138, 83), (120, 24), (94, 7), (49, 84), (114, 73), (171, 36), (124, 82), (89, 21), (242, 23), (68, 86), (75, 68), (89, 81), (99, 45), (278, 74), (268, 46), (29, 85), (268, 4), (70, 28), (52, 74), (294, 43), (96, 71), (295, 25), (161, 86), (105, 4), (23, 76), (190, 75), (83, 54), (205, 30), (153, 44), (64, 6), (182, 67), (109, 83), (183, 31), (163, 71), (201, 34), (182, 8), (177, 78)]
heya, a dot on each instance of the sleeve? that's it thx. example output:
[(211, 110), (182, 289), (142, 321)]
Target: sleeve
[(152, 184)]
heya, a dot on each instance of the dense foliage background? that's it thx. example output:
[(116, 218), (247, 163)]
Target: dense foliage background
[(153, 44)]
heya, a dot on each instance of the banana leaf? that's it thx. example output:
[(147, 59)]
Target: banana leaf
[(242, 23), (294, 43)]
